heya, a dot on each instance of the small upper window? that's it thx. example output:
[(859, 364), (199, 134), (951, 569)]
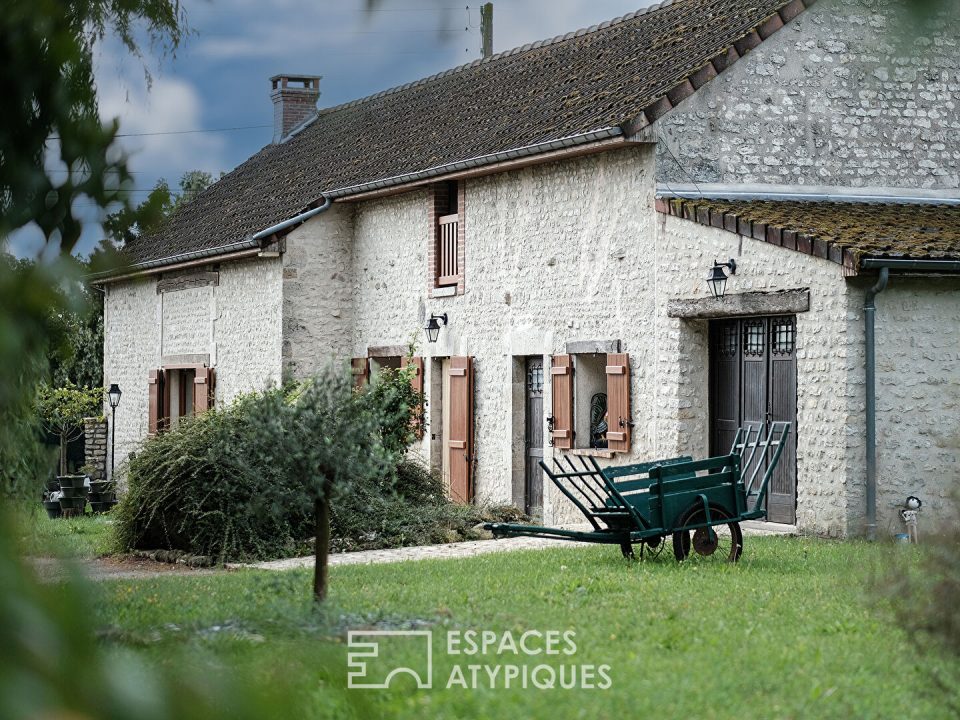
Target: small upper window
[(448, 234)]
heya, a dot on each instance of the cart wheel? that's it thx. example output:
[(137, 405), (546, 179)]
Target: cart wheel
[(627, 550), (724, 543), (653, 546)]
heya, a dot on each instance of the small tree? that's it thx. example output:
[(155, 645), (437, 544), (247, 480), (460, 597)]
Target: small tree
[(62, 411), (334, 438)]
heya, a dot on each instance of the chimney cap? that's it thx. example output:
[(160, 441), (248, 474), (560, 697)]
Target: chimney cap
[(295, 81)]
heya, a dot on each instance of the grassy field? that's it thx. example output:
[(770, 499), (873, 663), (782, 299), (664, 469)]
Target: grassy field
[(83, 537), (791, 632)]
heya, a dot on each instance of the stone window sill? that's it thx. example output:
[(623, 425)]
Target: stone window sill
[(445, 291), (592, 452)]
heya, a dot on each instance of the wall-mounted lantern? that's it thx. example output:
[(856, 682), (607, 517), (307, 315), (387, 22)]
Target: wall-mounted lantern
[(717, 278), (432, 327)]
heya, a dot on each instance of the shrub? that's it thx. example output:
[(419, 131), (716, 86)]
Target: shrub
[(239, 483), (922, 585), (220, 485)]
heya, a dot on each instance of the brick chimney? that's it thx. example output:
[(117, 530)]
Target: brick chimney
[(294, 100)]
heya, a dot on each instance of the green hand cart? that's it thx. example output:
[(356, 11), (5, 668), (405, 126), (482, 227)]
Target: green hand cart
[(699, 503)]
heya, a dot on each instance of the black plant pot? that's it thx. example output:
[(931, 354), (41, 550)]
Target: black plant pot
[(53, 485), (74, 503), (74, 492), (71, 481), (102, 497), (53, 509), (101, 486), (102, 507)]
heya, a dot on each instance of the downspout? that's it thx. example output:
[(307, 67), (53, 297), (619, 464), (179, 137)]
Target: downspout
[(869, 318)]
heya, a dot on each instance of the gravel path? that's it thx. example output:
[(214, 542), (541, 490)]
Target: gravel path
[(130, 568), (461, 550)]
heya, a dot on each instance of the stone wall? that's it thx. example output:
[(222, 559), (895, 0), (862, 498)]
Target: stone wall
[(233, 323), (95, 447), (918, 399), (829, 395), (318, 292), (845, 95)]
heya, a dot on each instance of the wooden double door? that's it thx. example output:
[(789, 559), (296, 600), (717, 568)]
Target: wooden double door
[(753, 378)]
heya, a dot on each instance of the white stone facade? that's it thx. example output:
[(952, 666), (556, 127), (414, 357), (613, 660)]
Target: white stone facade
[(233, 326), (574, 251)]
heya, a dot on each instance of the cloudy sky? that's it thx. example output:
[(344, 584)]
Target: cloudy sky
[(220, 76)]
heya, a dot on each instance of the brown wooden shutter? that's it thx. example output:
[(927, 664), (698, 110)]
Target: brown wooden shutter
[(618, 402), (417, 382), (155, 395), (461, 429), (360, 367), (203, 390), (561, 375)]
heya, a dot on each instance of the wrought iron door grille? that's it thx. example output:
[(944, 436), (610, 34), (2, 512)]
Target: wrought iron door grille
[(753, 338), (783, 335), (535, 380), (727, 347)]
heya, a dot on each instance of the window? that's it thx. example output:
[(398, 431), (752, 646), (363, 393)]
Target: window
[(179, 396), (591, 402), (178, 392), (590, 421), (447, 249), (379, 363)]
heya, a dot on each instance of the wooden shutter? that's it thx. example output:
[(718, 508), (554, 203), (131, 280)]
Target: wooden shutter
[(460, 444), (619, 418), (203, 390), (360, 367), (155, 394), (417, 382), (561, 376)]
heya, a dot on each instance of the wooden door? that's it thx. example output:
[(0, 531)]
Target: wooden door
[(753, 378), (460, 444), (782, 493), (533, 443)]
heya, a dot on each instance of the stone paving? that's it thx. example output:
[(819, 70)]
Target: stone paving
[(461, 550)]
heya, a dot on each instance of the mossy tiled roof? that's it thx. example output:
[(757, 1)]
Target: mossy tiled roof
[(626, 72), (845, 232)]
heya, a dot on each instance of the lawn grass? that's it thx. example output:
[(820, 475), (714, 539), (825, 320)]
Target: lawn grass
[(791, 631), (84, 537)]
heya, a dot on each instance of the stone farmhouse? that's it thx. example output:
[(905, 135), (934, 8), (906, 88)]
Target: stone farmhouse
[(554, 211)]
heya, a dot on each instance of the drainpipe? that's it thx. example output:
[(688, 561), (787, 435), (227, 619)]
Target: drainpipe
[(869, 316)]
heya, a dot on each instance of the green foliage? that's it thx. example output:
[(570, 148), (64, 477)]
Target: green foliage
[(62, 410), (392, 391), (922, 585), (29, 300), (53, 665), (240, 482), (54, 147), (128, 222), (414, 511)]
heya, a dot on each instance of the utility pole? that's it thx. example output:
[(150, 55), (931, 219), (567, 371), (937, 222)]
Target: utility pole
[(486, 29)]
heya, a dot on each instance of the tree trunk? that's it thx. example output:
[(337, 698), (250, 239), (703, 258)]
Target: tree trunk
[(321, 511), (63, 454)]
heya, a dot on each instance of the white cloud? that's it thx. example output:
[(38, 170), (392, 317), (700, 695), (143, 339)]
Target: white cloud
[(169, 105)]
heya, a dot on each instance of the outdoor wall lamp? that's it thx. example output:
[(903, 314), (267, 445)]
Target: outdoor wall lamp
[(113, 394), (717, 278), (433, 326)]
